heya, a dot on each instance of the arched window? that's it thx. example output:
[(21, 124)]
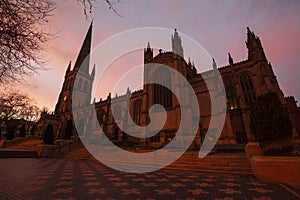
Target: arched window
[(137, 111), (79, 84), (230, 93), (117, 113), (247, 88), (100, 116), (161, 94), (85, 87)]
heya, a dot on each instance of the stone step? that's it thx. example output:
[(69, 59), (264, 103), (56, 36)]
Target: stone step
[(217, 170), (174, 166), (189, 161), (211, 164), (188, 166)]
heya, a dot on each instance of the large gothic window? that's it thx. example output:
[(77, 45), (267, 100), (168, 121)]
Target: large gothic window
[(137, 112), (100, 116), (230, 93), (247, 88), (79, 84), (85, 87), (117, 113), (161, 94)]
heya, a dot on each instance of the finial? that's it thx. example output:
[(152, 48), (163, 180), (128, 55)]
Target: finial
[(230, 59), (128, 90), (69, 67), (214, 64), (160, 50), (148, 45), (93, 71), (250, 33)]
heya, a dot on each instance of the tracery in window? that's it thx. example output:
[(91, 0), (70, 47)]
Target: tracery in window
[(247, 88), (162, 95)]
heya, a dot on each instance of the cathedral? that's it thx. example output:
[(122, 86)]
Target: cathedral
[(244, 81)]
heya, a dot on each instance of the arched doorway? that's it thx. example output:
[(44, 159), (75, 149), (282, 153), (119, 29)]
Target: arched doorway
[(48, 135), (23, 131), (68, 130), (33, 129), (116, 133), (80, 127)]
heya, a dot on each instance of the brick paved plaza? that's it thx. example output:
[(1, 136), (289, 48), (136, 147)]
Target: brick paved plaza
[(33, 178)]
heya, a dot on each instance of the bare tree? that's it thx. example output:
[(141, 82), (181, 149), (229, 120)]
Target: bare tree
[(14, 105), (22, 37), (89, 4)]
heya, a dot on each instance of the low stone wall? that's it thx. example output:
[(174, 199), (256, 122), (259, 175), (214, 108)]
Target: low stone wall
[(277, 169), (253, 149), (6, 143), (58, 148)]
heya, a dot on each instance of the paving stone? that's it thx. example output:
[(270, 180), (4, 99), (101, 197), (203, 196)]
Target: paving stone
[(33, 178)]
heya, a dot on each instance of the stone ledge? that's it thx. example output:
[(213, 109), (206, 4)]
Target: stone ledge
[(47, 150), (4, 143), (253, 149), (277, 169), (59, 147)]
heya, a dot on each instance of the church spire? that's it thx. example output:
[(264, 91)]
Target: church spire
[(83, 59), (176, 44)]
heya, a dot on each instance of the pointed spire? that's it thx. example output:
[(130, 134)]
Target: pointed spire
[(148, 53), (214, 64), (190, 63), (193, 67), (128, 91), (250, 34), (230, 59), (93, 71), (255, 49), (69, 67), (148, 45), (176, 44), (83, 59)]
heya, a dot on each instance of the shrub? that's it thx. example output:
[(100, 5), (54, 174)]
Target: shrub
[(271, 125)]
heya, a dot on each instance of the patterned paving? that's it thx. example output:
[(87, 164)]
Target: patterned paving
[(70, 179)]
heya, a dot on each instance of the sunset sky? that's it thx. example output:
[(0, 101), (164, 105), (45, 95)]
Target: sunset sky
[(219, 26)]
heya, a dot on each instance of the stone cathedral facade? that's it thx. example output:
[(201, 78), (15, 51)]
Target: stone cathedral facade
[(243, 81)]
